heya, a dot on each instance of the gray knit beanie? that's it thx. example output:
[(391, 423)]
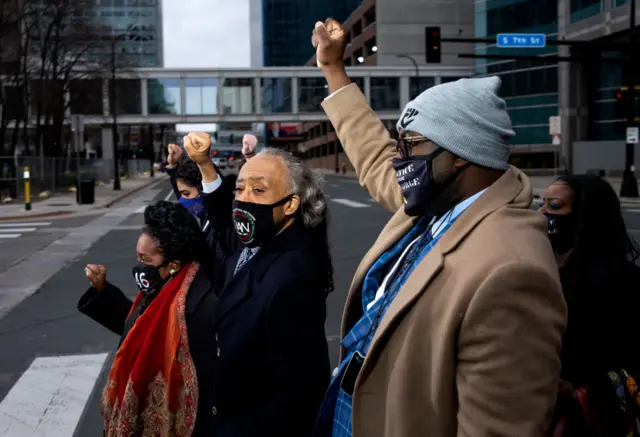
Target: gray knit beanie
[(465, 117)]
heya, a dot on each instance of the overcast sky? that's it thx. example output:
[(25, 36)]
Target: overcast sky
[(206, 33)]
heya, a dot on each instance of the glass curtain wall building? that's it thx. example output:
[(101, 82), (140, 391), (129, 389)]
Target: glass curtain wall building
[(530, 88), (137, 25), (287, 26)]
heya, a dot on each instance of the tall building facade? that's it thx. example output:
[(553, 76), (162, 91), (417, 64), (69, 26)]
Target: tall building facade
[(530, 88), (256, 45), (137, 26), (287, 26), (379, 33), (584, 93)]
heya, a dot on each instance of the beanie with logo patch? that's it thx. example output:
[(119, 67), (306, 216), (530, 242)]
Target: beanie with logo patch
[(465, 117)]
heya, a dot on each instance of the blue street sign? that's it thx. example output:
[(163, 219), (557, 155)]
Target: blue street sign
[(526, 40)]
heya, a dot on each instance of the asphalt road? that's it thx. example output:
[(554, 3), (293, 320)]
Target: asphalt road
[(56, 396)]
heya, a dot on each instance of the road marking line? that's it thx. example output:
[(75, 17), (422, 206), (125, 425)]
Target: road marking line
[(17, 229), (49, 398), (372, 200), (11, 225), (140, 210), (351, 203), (631, 210), (168, 196), (9, 235)]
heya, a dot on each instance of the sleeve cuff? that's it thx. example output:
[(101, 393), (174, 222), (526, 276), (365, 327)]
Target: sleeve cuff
[(333, 94), (210, 187)]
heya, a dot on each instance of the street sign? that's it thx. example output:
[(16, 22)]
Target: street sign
[(521, 40), (77, 123), (555, 127), (632, 135)]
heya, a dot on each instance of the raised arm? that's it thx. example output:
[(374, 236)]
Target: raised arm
[(364, 138), (216, 196), (173, 155)]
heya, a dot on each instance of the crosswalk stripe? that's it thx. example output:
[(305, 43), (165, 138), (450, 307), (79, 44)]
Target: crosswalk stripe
[(351, 203), (11, 230), (18, 224), (140, 210), (50, 396), (4, 236)]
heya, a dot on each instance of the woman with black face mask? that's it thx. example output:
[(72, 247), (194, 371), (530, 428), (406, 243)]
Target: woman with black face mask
[(601, 285), (160, 380)]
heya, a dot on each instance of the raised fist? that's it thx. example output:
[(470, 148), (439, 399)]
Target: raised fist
[(329, 40), (97, 275), (198, 147), (174, 152), (249, 143)]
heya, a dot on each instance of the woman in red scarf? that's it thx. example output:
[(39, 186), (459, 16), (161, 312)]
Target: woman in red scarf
[(158, 384)]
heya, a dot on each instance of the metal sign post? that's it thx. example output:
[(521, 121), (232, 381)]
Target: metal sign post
[(77, 128)]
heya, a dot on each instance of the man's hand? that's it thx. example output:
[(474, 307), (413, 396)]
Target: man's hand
[(198, 147), (249, 143), (174, 152), (329, 40), (97, 276)]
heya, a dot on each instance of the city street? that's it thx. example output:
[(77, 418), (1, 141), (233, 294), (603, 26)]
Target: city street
[(41, 279)]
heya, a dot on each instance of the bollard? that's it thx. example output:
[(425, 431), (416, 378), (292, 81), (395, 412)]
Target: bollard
[(27, 189)]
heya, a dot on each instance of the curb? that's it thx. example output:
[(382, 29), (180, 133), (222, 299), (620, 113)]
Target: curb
[(62, 213), (115, 200), (42, 215)]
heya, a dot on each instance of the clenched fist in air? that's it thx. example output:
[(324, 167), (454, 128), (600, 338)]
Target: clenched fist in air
[(329, 40), (174, 152), (249, 143), (97, 275), (198, 147)]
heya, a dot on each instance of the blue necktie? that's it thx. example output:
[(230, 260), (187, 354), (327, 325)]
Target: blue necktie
[(245, 256)]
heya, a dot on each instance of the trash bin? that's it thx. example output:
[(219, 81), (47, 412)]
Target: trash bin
[(86, 191)]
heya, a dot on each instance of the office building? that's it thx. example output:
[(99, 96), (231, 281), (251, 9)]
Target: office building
[(583, 93), (137, 25), (379, 33), (287, 26), (256, 45)]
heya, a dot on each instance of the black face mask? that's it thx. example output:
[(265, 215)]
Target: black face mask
[(422, 194), (254, 222), (561, 233), (148, 278)]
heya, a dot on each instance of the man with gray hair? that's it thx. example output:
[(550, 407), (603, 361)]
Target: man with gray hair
[(267, 334), (454, 320)]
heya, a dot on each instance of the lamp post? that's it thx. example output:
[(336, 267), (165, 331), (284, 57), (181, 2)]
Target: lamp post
[(629, 186), (413, 61), (114, 122)]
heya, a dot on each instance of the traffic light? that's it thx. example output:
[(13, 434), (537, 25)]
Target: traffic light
[(432, 44), (621, 109)]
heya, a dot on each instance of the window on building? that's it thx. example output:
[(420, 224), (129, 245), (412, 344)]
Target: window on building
[(518, 17), (356, 30), (370, 16), (581, 9)]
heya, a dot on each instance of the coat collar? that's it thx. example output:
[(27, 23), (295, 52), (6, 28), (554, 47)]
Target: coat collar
[(513, 188), (239, 287)]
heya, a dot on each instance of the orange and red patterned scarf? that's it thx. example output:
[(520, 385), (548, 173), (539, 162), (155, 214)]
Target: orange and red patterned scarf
[(152, 389)]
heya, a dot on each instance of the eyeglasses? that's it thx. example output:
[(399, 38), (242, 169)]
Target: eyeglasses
[(406, 143)]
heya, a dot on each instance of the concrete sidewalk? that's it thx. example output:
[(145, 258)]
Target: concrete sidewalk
[(65, 205), (539, 183)]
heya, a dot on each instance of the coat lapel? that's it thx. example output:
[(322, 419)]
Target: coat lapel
[(513, 187), (397, 227)]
